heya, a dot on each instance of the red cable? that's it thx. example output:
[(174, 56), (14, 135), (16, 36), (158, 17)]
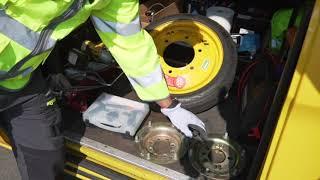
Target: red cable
[(244, 82), (244, 75), (255, 131), (264, 111), (273, 59)]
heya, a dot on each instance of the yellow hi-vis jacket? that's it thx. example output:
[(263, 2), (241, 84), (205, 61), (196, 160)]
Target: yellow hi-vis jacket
[(29, 29)]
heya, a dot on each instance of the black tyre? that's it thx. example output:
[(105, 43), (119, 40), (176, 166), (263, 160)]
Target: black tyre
[(171, 30)]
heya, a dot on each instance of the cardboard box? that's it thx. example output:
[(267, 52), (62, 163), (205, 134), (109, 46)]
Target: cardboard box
[(156, 9)]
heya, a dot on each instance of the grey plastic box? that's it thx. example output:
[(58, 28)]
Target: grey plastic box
[(116, 114)]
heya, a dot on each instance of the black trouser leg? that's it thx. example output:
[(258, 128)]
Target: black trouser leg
[(34, 127)]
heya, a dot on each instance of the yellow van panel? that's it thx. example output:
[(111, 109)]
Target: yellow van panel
[(295, 148)]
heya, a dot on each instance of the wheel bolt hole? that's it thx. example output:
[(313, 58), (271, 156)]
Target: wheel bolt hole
[(187, 37), (166, 41), (170, 71), (191, 67), (200, 50)]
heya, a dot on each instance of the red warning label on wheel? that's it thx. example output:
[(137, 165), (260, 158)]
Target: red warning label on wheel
[(177, 82)]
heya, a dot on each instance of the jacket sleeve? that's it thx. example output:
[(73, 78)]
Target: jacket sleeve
[(118, 25), (3, 3)]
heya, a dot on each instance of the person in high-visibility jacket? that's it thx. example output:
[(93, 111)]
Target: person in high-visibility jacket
[(29, 29)]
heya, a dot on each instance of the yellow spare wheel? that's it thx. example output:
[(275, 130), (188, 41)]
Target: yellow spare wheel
[(198, 58)]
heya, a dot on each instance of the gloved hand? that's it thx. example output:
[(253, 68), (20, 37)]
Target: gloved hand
[(182, 118)]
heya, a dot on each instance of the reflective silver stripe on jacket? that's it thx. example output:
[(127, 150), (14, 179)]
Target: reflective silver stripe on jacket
[(148, 80), (24, 73), (124, 29), (19, 33)]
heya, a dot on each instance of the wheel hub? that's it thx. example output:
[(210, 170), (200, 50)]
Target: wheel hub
[(160, 143), (218, 158)]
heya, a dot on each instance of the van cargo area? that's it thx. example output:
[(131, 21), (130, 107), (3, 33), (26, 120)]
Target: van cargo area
[(229, 62), (75, 129)]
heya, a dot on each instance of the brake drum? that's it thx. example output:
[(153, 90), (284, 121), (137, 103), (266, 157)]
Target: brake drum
[(217, 158), (160, 143)]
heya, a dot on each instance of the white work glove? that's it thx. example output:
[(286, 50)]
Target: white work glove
[(182, 118)]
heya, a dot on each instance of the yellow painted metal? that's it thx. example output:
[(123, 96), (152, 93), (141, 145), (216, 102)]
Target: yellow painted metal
[(102, 159), (106, 165), (295, 148), (95, 161), (5, 146), (79, 176), (4, 140), (115, 164), (207, 47), (88, 171)]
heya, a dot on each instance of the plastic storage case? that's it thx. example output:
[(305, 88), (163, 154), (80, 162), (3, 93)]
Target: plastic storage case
[(116, 114)]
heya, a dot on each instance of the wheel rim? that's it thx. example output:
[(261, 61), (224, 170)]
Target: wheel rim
[(207, 60)]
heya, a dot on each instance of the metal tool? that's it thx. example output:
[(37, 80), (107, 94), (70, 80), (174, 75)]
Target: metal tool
[(198, 133)]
